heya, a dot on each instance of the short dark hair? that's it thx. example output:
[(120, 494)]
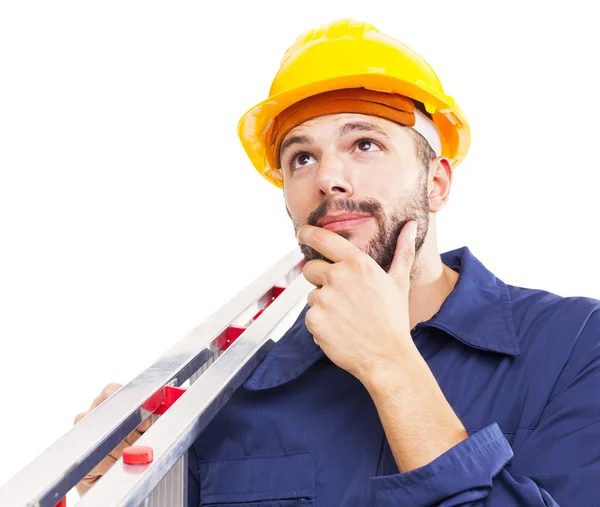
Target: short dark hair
[(423, 149)]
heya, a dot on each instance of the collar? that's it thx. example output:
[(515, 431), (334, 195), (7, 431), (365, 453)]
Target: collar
[(477, 312)]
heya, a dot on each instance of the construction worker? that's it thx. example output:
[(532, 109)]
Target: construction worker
[(411, 378)]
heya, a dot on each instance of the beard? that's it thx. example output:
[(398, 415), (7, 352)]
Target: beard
[(382, 246)]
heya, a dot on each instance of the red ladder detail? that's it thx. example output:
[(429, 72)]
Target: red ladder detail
[(232, 333), (164, 399)]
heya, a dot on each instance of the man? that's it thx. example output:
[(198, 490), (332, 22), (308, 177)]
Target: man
[(410, 379)]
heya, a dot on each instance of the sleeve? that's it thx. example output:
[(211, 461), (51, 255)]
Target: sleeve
[(558, 464)]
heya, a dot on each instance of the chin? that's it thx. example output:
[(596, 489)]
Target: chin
[(359, 243)]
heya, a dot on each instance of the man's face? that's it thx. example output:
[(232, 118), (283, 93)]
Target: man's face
[(363, 172)]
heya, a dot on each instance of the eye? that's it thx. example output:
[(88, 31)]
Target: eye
[(301, 160), (366, 145)]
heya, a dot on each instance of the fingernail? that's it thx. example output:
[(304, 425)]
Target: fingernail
[(414, 231)]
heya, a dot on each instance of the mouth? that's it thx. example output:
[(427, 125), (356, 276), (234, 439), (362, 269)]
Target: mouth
[(346, 222)]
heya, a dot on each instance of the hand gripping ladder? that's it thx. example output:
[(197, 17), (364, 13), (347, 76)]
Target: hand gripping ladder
[(216, 358)]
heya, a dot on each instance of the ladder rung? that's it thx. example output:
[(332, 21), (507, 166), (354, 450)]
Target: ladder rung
[(276, 292)]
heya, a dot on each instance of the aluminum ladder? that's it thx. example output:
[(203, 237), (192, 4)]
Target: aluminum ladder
[(214, 359)]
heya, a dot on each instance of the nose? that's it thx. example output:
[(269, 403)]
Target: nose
[(332, 177)]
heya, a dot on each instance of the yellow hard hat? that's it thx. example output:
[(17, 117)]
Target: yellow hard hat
[(351, 54)]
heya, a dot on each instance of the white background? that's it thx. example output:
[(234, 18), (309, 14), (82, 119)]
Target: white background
[(129, 211)]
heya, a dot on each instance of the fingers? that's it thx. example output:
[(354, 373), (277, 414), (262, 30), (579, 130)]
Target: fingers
[(317, 272), (105, 465), (106, 393), (330, 244), (311, 299), (145, 425), (85, 485), (130, 440), (79, 417), (101, 468), (98, 471), (404, 256)]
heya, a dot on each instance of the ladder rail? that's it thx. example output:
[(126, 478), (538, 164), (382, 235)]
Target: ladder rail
[(172, 435), (57, 470)]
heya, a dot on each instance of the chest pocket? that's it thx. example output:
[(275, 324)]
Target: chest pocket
[(283, 480)]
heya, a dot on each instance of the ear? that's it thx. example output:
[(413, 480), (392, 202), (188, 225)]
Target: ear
[(440, 181)]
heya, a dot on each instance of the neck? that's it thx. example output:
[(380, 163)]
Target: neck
[(431, 282)]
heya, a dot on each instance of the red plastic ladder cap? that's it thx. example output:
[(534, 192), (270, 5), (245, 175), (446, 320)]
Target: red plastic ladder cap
[(138, 454)]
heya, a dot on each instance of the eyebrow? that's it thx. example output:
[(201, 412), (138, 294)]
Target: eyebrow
[(344, 130), (361, 126), (294, 140)]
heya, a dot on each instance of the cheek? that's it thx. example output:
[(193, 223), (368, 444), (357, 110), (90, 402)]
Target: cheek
[(298, 207), (379, 185), (395, 181)]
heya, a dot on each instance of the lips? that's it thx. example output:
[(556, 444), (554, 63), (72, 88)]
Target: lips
[(336, 218), (343, 222)]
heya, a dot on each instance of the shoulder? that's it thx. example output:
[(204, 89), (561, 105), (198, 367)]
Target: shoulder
[(534, 309), (561, 333)]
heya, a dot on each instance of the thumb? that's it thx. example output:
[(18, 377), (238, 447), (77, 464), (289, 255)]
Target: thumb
[(404, 255)]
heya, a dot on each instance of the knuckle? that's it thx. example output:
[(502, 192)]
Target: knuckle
[(318, 237), (331, 277), (363, 264), (308, 271), (316, 300), (314, 320), (310, 319), (83, 487), (323, 298), (335, 275), (133, 437), (344, 274), (307, 266), (312, 297), (145, 425), (357, 265)]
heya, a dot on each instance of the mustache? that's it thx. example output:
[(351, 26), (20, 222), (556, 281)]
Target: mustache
[(370, 206)]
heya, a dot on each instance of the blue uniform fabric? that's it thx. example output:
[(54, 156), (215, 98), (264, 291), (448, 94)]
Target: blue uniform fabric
[(520, 367)]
